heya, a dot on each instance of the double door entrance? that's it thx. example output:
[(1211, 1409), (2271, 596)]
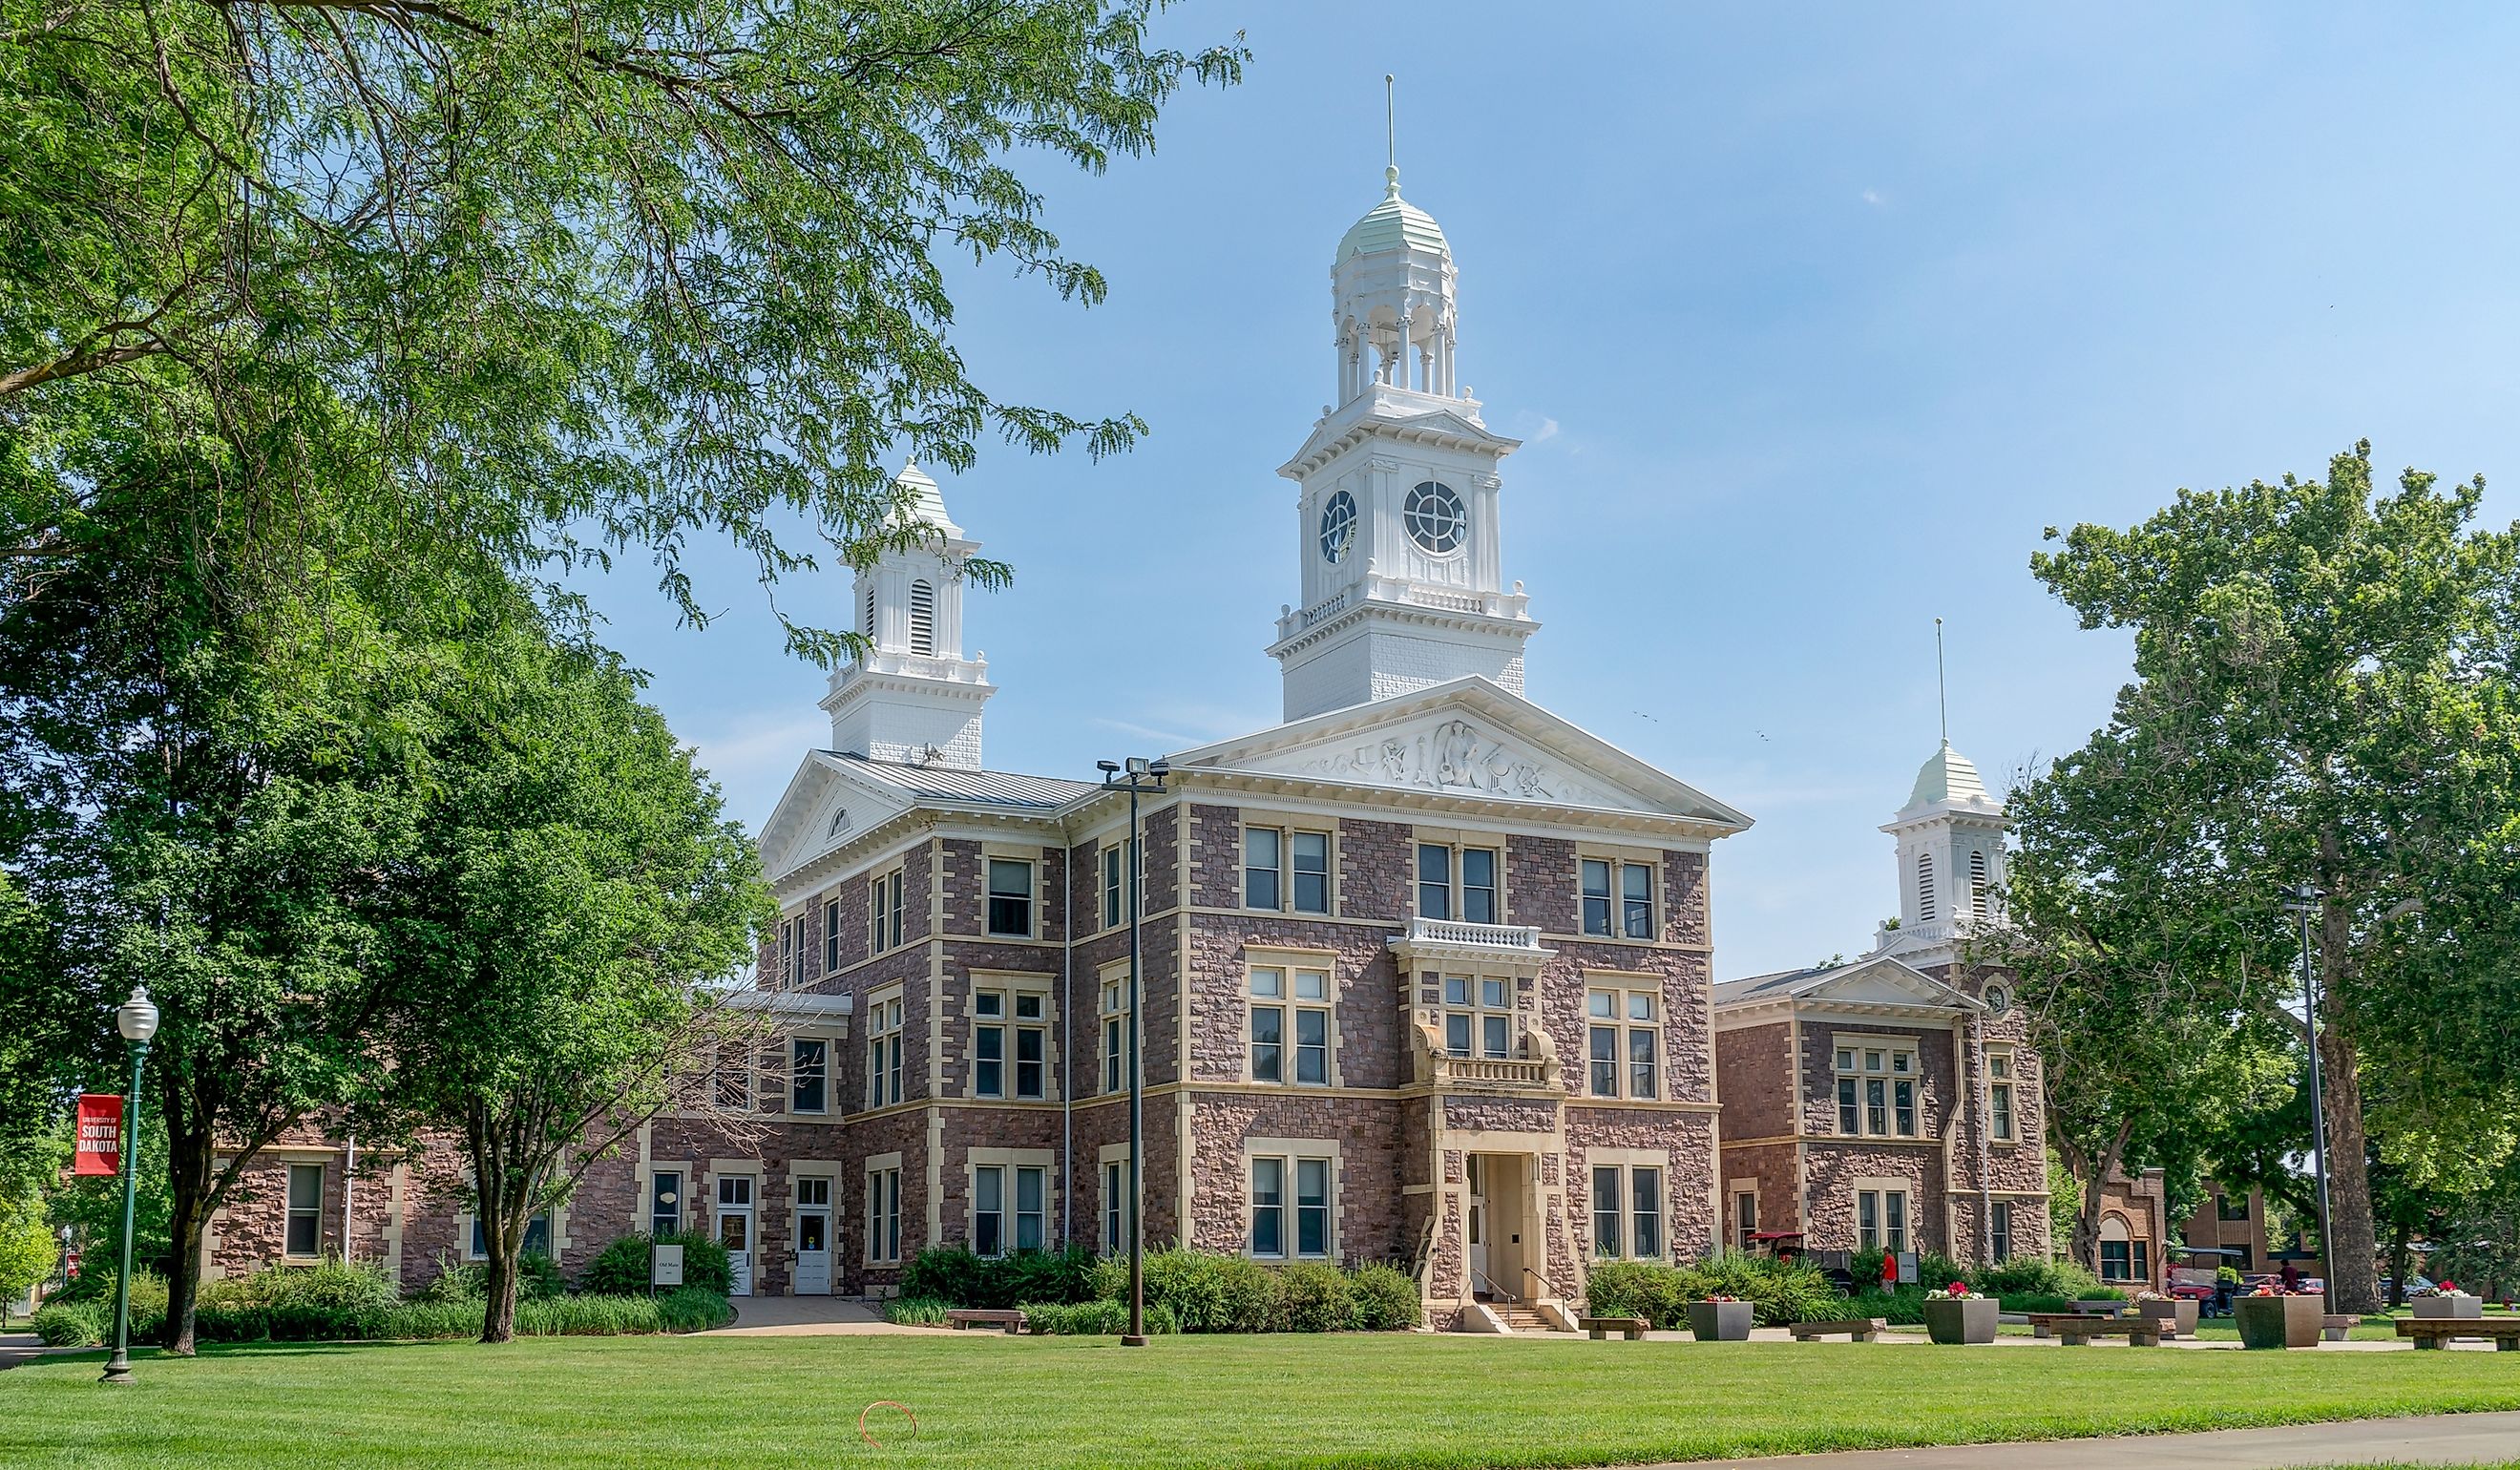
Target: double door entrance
[(1503, 1233)]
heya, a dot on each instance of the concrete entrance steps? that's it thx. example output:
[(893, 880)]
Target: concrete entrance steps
[(1521, 1319)]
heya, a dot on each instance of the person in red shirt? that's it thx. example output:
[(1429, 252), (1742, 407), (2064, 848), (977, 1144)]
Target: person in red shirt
[(1889, 1271)]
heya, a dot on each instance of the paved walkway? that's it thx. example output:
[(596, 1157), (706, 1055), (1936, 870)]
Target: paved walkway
[(2429, 1440), (808, 1317)]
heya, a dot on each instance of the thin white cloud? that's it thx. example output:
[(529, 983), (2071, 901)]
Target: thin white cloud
[(1165, 737), (1874, 197), (1547, 431)]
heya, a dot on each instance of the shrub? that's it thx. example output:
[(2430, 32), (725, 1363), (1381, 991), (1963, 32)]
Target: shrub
[(2020, 1277), (1093, 1318), (72, 1324), (94, 1292), (1254, 1296), (1779, 1292), (1387, 1299), (1635, 1288), (1192, 1286), (1904, 1306), (437, 1317), (623, 1267), (917, 1311), (1314, 1297), (538, 1279), (694, 1309), (952, 1274)]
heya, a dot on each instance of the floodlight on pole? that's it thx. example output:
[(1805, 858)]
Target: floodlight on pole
[(2302, 902), (1136, 770)]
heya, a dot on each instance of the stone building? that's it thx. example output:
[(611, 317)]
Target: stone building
[(1892, 1101), (1426, 970)]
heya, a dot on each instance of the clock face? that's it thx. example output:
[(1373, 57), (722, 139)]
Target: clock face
[(1339, 526), (1437, 522)]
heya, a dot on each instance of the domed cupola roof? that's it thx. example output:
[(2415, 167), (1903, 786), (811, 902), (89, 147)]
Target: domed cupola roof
[(1392, 225), (1948, 776)]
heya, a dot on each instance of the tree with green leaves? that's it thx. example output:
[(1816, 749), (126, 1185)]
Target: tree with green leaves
[(549, 279), (563, 932), (2327, 690)]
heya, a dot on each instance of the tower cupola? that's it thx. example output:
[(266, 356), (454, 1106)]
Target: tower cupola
[(912, 696), (1950, 861)]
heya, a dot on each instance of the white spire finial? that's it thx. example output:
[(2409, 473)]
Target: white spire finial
[(1942, 686), (1390, 139)]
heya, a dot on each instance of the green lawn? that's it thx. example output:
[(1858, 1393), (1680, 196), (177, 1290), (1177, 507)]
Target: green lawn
[(987, 1400)]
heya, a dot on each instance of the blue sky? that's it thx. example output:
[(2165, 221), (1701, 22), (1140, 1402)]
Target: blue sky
[(1812, 319)]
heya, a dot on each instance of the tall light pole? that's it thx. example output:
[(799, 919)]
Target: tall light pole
[(1116, 777), (136, 1020), (2303, 902)]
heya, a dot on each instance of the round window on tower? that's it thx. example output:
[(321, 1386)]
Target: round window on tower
[(1999, 1000), (1436, 520), (1339, 526)]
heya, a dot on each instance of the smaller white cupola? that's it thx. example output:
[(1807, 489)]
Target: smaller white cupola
[(1950, 861), (912, 698)]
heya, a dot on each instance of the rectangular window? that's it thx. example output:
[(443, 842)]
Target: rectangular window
[(831, 936), (1311, 852), (989, 1210), (1894, 1216), (1903, 1106), (1312, 1028), (1312, 1207), (1115, 1207), (2230, 1207), (883, 1053), (1605, 1213), (1745, 1220), (1114, 905), (1478, 1016), (1263, 867), (1645, 1198), (1032, 1046), (2002, 1220), (1635, 900), (1268, 1207), (1998, 1091), (884, 913), (731, 1082), (1478, 885), (989, 1045), (1010, 895), (1268, 1024), (808, 1074), (1616, 898), (1435, 881), (1116, 1034), (1876, 1110), (1876, 1092), (2143, 1260), (1032, 1189), (1850, 1118), (788, 953), (883, 1214), (1639, 1050), (1867, 1221), (2116, 1261), (537, 1237), (305, 1209), (664, 1202)]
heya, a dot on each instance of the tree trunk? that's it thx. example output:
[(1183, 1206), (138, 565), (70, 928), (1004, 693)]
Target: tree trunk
[(2352, 1245), (499, 1308), (2397, 1264), (189, 1162)]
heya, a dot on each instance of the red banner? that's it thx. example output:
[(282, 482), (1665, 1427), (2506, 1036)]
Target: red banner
[(100, 1134)]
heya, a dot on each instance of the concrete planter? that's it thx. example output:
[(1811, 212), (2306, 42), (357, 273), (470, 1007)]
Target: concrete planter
[(2180, 1313), (1962, 1321), (1720, 1321), (2279, 1321), (2457, 1307)]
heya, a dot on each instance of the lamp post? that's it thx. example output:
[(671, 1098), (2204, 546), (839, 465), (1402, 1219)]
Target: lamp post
[(1120, 776), (136, 1020), (2303, 902)]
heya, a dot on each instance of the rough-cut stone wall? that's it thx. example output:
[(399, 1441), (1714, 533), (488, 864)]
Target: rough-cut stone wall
[(1163, 839), (1754, 1075), (1367, 1012), (905, 1134), (1370, 1222), (1780, 1192), (1687, 1142), (1687, 1072), (1938, 1091), (1685, 914), (1541, 883), (1833, 1166), (1215, 857), (1375, 871)]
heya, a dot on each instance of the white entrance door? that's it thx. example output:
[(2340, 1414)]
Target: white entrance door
[(1478, 1226), (813, 1237), (735, 1227)]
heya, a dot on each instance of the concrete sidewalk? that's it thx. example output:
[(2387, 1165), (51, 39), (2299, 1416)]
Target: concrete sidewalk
[(2427, 1440), (808, 1317)]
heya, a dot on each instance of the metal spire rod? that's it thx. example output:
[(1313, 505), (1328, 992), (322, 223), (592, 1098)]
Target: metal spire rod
[(1390, 124), (1942, 686)]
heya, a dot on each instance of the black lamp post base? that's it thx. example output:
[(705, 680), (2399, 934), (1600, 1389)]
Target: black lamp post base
[(1132, 1340), (117, 1372)]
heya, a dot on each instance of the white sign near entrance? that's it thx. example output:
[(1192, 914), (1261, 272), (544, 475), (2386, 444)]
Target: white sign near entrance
[(668, 1266)]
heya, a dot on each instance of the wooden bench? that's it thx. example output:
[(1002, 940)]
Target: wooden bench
[(1862, 1329), (2435, 1331), (2078, 1328), (1632, 1328), (985, 1316), (2336, 1325)]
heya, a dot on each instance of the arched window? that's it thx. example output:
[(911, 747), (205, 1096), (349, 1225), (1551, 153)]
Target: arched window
[(1977, 884), (922, 618), (1925, 887)]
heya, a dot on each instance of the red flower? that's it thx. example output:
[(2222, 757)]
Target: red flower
[(1958, 1288), (2446, 1287)]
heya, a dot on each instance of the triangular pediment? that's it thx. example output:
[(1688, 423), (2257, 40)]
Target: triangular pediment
[(1883, 982), (1467, 738), (824, 806)]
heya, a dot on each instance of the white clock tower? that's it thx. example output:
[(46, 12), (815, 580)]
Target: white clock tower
[(1397, 515)]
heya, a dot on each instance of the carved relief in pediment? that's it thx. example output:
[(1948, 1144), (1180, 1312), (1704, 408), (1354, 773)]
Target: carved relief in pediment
[(1454, 756)]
